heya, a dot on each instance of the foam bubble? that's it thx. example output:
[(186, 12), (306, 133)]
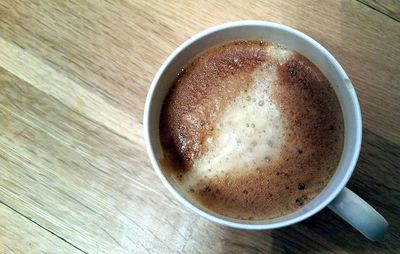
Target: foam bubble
[(279, 53)]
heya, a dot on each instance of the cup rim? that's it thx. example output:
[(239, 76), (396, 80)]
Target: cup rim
[(261, 225)]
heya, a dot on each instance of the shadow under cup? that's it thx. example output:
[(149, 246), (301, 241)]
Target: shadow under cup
[(269, 32)]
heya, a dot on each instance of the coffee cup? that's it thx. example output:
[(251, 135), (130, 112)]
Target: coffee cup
[(335, 195)]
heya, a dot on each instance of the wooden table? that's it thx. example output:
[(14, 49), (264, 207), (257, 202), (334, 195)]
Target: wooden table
[(74, 174)]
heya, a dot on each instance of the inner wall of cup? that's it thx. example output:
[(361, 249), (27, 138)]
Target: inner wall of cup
[(293, 40)]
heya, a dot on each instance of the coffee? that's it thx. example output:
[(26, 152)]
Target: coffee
[(251, 130)]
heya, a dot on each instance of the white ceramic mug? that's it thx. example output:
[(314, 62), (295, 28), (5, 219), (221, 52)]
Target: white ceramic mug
[(335, 195)]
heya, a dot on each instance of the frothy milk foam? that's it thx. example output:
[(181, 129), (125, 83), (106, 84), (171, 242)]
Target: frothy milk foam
[(252, 130), (249, 132)]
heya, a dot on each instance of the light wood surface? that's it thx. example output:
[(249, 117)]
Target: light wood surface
[(74, 174), (21, 235), (391, 8)]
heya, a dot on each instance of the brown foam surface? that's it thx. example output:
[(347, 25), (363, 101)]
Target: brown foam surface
[(205, 87), (312, 135)]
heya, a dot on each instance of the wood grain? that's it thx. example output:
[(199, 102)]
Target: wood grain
[(73, 80), (19, 235), (391, 8)]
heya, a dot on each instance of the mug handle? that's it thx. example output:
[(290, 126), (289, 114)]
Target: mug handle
[(359, 214)]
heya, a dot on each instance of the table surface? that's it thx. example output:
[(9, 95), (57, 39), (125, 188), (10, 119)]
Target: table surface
[(74, 174)]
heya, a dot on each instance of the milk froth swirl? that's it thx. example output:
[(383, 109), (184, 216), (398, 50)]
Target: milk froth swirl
[(251, 130)]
